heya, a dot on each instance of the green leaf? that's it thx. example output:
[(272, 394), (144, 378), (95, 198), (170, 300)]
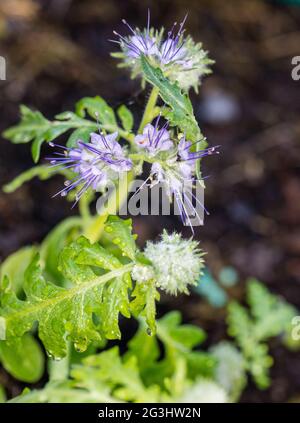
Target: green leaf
[(182, 110), (273, 315), (96, 107), (66, 312), (23, 358), (119, 232), (126, 117), (144, 303), (124, 376), (101, 378), (82, 134), (142, 374), (96, 255), (178, 341), (36, 128), (42, 172), (179, 337), (31, 126), (2, 394), (270, 316), (144, 347), (51, 247), (14, 267)]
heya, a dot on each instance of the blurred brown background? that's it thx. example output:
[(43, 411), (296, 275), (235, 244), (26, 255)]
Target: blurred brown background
[(57, 51)]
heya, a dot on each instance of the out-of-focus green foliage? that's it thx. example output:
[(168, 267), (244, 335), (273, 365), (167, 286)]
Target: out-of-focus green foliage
[(230, 370), (269, 316), (23, 358), (141, 375)]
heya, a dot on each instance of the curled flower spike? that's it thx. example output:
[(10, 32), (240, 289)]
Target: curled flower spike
[(139, 42), (95, 163), (172, 49), (177, 262), (179, 57), (153, 139)]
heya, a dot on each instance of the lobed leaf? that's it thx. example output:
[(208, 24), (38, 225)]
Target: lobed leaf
[(51, 247), (36, 128), (42, 172), (96, 107), (270, 316), (182, 110), (14, 266), (64, 312), (126, 118), (92, 287), (142, 374), (119, 232)]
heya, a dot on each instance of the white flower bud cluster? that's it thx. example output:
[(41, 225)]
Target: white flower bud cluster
[(177, 262), (142, 273)]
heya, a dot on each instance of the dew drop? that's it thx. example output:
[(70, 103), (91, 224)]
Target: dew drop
[(149, 332), (108, 229)]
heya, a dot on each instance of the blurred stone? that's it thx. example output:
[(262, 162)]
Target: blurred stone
[(219, 107)]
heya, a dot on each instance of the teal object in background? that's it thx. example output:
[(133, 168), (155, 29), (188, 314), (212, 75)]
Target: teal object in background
[(228, 276), (209, 288)]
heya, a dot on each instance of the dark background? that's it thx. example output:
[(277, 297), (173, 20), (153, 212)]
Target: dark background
[(58, 51)]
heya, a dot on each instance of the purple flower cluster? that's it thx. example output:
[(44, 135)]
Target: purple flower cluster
[(176, 169), (94, 163), (146, 42), (103, 159), (153, 140), (178, 56)]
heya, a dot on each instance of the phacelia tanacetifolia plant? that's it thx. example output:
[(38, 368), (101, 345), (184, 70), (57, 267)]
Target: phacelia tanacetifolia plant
[(88, 271), (73, 288)]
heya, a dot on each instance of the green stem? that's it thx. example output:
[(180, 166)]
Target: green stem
[(84, 209), (94, 230), (59, 370), (149, 110)]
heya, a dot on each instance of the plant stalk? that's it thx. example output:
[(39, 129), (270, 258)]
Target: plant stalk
[(149, 110)]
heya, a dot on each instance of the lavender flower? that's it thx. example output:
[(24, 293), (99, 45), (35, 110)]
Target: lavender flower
[(140, 42), (153, 139), (177, 175), (179, 57), (96, 163)]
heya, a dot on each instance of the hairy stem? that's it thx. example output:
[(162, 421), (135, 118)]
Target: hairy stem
[(59, 369), (84, 209), (149, 110)]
